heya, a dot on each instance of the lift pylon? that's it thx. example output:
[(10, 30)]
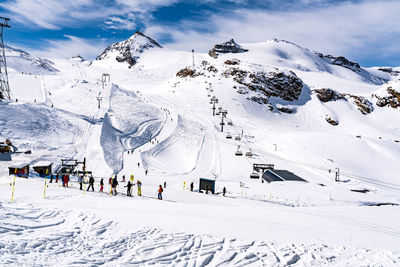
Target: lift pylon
[(4, 86)]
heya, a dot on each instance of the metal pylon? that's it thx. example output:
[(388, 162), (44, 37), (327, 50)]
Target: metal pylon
[(4, 86)]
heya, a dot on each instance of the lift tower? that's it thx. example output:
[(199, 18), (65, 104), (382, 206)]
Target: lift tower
[(4, 87)]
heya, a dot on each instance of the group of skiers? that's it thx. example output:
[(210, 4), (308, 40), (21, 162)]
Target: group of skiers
[(113, 182)]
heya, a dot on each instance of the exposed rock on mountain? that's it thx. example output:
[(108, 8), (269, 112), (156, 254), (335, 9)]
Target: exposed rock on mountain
[(22, 61), (364, 106), (390, 71), (391, 100), (227, 47), (285, 85), (188, 72), (326, 95), (353, 66), (129, 50), (331, 121)]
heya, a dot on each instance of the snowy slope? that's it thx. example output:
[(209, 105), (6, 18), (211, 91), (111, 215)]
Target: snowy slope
[(166, 124)]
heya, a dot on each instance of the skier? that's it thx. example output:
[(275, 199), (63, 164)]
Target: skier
[(51, 178), (160, 190), (191, 186), (139, 188), (91, 182), (224, 191), (101, 185), (132, 178), (128, 189), (80, 181), (110, 183), (138, 164), (114, 186), (66, 180), (145, 172), (165, 185), (57, 178), (123, 178)]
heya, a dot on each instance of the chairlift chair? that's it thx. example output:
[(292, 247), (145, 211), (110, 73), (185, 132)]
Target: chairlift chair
[(238, 138), (238, 152), (228, 136), (249, 154), (230, 123), (254, 175)]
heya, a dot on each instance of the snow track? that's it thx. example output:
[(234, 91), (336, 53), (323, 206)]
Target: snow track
[(54, 237)]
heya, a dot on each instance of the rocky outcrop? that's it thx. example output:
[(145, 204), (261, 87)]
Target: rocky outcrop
[(340, 61), (227, 47), (232, 62), (129, 50), (326, 95), (392, 100), (390, 71), (285, 85), (188, 72), (364, 106), (331, 121)]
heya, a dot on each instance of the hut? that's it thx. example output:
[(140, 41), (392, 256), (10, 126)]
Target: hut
[(19, 169), (272, 175), (43, 168), (207, 184)]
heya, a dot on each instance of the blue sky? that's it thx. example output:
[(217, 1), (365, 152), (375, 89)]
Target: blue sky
[(365, 31)]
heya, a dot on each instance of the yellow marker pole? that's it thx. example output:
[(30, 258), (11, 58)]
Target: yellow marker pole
[(184, 185), (12, 193), (45, 184)]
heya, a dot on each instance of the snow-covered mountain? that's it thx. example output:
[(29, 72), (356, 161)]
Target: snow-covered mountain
[(21, 61), (306, 113), (129, 50)]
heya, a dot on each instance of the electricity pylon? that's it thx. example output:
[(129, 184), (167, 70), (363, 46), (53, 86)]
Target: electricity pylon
[(4, 86)]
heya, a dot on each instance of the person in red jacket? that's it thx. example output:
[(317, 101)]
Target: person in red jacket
[(66, 179), (160, 190)]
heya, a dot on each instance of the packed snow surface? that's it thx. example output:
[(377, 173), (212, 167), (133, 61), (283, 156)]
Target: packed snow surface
[(160, 128)]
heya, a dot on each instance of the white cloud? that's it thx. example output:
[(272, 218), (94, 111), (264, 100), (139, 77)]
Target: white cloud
[(71, 46)]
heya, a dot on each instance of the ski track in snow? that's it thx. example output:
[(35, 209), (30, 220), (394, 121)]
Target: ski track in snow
[(55, 237)]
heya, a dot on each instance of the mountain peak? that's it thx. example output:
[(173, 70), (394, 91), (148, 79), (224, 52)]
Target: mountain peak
[(129, 49)]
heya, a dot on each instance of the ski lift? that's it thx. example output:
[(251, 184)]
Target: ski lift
[(228, 136), (254, 175), (209, 95), (217, 113), (238, 138), (249, 154), (230, 123), (238, 152)]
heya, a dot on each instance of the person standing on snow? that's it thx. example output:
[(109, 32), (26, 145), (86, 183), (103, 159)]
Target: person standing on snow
[(165, 185), (128, 189), (110, 183), (101, 185), (51, 178), (91, 182), (191, 186), (160, 190), (114, 186), (57, 178), (224, 191), (139, 188), (123, 178), (80, 181)]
